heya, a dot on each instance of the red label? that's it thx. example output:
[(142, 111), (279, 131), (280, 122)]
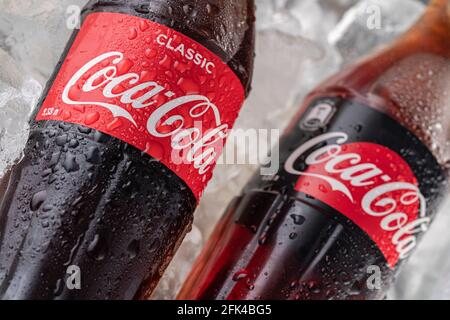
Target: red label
[(151, 87), (370, 184)]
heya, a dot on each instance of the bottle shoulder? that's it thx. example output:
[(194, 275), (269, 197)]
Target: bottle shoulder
[(226, 28), (410, 87)]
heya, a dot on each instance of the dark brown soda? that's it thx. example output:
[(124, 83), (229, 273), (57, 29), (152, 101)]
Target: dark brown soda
[(274, 243), (81, 198)]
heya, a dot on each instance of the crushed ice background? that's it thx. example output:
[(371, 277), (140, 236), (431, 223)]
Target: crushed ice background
[(300, 42)]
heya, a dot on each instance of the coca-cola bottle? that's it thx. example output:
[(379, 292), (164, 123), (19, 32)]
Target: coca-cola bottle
[(363, 170), (121, 147)]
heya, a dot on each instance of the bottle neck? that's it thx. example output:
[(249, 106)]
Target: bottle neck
[(439, 4), (429, 36), (438, 11), (432, 31)]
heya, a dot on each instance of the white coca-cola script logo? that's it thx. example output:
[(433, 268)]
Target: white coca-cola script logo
[(347, 171), (201, 148)]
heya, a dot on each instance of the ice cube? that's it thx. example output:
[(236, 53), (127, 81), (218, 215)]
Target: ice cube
[(18, 95), (35, 32), (9, 72), (373, 22)]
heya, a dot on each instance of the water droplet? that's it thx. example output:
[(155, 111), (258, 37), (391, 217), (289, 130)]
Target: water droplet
[(358, 128), (150, 53), (143, 25), (298, 219), (155, 149), (61, 140), (97, 248), (262, 239), (133, 34), (92, 118), (133, 249), (73, 143), (187, 8), (188, 86), (74, 94), (313, 287), (93, 155), (211, 9), (38, 199), (166, 62), (66, 115), (70, 163), (58, 287), (124, 66), (113, 125), (242, 274)]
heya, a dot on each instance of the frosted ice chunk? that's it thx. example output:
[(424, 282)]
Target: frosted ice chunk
[(34, 32), (17, 97), (373, 22)]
